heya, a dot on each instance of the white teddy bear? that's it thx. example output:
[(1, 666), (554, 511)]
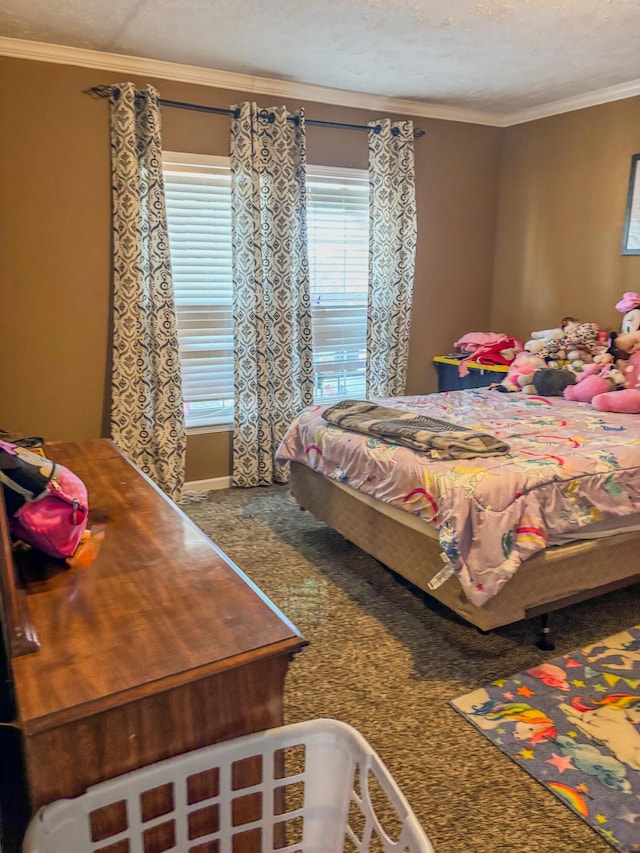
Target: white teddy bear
[(548, 335)]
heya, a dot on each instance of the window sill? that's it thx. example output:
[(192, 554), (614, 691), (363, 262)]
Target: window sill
[(202, 430)]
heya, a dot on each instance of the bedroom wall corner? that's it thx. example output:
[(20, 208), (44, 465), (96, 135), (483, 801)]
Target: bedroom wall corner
[(562, 199), (457, 170)]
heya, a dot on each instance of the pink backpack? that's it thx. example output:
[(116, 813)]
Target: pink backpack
[(46, 503)]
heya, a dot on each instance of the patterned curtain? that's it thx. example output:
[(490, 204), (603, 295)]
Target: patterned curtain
[(273, 361), (147, 414), (392, 253)]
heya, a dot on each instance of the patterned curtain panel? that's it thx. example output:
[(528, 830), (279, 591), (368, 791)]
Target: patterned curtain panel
[(271, 306), (147, 413), (392, 254)]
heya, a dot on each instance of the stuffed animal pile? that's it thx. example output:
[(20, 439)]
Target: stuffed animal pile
[(571, 345), (566, 349), (581, 363), (612, 382)]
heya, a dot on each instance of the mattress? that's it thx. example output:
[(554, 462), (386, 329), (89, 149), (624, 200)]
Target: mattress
[(570, 473), (599, 530)]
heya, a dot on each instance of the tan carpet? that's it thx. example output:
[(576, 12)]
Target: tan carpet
[(386, 659)]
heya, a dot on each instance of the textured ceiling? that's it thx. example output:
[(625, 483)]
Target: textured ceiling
[(500, 56)]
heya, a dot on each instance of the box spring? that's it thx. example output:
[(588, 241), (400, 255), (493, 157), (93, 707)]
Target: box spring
[(551, 579)]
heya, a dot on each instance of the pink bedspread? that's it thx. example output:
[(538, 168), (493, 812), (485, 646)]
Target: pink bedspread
[(569, 466)]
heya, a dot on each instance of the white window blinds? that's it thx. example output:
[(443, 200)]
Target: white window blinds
[(338, 231), (198, 198)]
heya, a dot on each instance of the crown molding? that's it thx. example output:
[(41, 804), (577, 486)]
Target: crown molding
[(65, 55), (579, 102), (119, 63)]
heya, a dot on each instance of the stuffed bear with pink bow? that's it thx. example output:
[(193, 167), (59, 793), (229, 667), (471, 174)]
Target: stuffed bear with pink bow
[(615, 386), (594, 380), (627, 399)]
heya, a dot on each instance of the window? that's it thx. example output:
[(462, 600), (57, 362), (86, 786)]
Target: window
[(338, 231), (198, 195)]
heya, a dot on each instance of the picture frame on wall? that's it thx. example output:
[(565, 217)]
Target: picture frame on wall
[(631, 236)]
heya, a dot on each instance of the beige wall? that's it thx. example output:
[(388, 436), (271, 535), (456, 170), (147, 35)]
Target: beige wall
[(55, 239), (563, 192)]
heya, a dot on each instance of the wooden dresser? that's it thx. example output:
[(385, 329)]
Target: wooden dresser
[(160, 646)]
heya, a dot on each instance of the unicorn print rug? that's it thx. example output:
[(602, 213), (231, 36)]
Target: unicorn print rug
[(574, 724)]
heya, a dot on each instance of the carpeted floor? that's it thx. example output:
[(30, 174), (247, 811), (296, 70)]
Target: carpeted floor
[(386, 659)]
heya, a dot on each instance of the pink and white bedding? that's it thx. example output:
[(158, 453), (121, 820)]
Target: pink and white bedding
[(569, 467)]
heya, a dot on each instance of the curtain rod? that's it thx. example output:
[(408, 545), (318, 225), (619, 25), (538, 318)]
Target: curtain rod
[(99, 92)]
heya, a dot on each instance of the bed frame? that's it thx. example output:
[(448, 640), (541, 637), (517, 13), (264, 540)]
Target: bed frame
[(548, 581)]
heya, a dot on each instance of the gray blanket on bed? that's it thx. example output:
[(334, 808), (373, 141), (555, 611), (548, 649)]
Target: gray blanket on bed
[(440, 439)]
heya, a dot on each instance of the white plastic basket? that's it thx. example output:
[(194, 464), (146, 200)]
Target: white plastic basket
[(311, 787)]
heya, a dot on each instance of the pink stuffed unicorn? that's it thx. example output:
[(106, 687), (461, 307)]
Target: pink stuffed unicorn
[(520, 374)]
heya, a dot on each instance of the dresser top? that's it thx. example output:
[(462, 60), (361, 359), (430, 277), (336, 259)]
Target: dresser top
[(159, 606)]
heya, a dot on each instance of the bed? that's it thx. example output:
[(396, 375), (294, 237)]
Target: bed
[(553, 521)]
